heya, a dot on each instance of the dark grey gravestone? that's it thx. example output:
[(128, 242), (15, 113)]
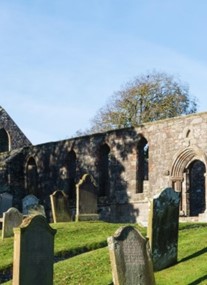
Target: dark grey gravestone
[(163, 228), (86, 199), (11, 218), (33, 252), (28, 202), (5, 202), (60, 207), (130, 258)]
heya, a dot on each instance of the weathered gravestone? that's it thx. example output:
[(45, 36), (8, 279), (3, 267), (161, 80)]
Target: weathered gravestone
[(28, 202), (33, 252), (86, 199), (130, 258), (60, 207), (36, 210), (31, 206), (11, 218), (6, 200), (162, 228)]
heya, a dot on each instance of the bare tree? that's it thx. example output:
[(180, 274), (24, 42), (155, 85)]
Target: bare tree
[(147, 98)]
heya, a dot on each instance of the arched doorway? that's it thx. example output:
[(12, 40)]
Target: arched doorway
[(196, 189), (188, 177)]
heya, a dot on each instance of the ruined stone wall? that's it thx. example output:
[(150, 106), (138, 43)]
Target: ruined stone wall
[(167, 140), (169, 137), (50, 158)]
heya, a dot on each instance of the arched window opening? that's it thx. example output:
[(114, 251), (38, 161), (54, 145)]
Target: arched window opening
[(103, 166), (71, 174), (31, 177), (4, 141), (142, 164), (196, 191)]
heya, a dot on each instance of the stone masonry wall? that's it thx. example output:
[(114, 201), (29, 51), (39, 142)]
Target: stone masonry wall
[(16, 136), (167, 140)]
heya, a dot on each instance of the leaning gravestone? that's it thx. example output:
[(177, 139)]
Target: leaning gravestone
[(60, 207), (11, 219), (28, 202), (130, 258), (33, 252), (163, 228), (86, 199)]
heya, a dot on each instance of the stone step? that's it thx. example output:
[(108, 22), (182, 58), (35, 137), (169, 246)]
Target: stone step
[(189, 219), (203, 217)]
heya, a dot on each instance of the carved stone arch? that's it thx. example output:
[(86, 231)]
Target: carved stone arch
[(180, 174), (4, 140), (182, 159)]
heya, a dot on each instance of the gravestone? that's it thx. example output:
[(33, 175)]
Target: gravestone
[(162, 228), (36, 210), (86, 199), (60, 207), (130, 258), (11, 218), (33, 252), (6, 200), (28, 202)]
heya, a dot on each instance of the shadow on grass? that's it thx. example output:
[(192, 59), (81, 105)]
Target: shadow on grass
[(196, 254), (199, 280)]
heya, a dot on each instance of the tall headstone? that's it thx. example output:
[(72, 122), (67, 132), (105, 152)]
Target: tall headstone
[(60, 207), (11, 218), (130, 258), (86, 199), (6, 200), (28, 202), (33, 252), (162, 228)]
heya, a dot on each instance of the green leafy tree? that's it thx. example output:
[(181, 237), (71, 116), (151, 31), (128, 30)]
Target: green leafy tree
[(147, 98)]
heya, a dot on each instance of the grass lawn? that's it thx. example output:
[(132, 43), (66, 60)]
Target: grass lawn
[(74, 238), (191, 268), (93, 267)]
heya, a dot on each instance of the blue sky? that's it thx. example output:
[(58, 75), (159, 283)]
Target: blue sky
[(60, 60)]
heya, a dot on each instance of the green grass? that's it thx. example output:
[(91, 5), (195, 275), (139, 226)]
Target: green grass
[(75, 238), (93, 267), (191, 268), (71, 239), (88, 268), (6, 252)]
